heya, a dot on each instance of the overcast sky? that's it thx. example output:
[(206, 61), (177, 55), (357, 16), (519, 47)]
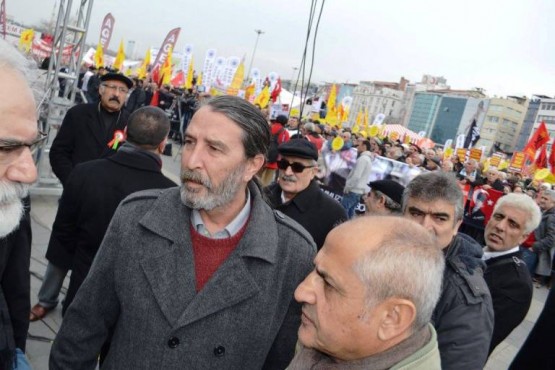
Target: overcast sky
[(501, 46)]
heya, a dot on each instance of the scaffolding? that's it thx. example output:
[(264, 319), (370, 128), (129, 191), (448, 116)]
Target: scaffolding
[(61, 85)]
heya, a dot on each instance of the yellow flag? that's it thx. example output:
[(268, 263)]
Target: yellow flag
[(120, 57), (26, 39), (366, 118), (99, 56), (189, 79), (238, 76), (199, 79), (144, 67), (263, 98), (166, 70), (332, 97), (249, 91), (358, 120)]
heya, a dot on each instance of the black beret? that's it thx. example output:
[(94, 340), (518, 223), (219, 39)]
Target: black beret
[(391, 188), (301, 148), (118, 77), (281, 119)]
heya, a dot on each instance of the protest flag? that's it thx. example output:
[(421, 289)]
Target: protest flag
[(166, 71), (276, 91), (99, 56), (551, 159), (120, 57), (539, 138), (190, 72), (26, 39)]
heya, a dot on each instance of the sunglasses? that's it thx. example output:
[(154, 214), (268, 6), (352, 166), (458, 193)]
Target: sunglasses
[(295, 166)]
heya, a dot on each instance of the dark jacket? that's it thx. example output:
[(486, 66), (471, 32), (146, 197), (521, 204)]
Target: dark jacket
[(137, 99), (463, 317), (316, 211), (142, 284), (510, 285), (537, 351), (90, 198), (82, 138), (15, 304), (544, 246)]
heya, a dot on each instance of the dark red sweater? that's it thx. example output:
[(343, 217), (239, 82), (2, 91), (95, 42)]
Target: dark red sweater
[(209, 254)]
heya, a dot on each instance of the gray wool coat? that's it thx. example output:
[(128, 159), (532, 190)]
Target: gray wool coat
[(142, 287), (544, 246)]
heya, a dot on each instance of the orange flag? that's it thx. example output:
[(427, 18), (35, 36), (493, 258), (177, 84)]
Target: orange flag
[(540, 137)]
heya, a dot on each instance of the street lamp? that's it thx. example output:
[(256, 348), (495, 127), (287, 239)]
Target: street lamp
[(258, 33)]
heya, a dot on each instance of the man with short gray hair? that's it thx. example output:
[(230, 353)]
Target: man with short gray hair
[(514, 217), (463, 317), (364, 306)]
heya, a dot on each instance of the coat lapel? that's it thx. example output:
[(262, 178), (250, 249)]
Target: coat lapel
[(169, 268), (95, 126)]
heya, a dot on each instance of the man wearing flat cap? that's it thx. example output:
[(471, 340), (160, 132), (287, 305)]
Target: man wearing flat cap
[(297, 194), (385, 197), (88, 132)]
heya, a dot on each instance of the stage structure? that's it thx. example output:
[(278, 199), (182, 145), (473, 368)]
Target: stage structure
[(61, 85)]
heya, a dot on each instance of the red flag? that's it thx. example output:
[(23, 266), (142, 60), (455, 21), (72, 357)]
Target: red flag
[(541, 161), (155, 76), (276, 91), (489, 203), (552, 157), (155, 98), (179, 79), (540, 137)]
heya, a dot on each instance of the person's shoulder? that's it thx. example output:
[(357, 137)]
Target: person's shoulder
[(287, 225), (144, 199)]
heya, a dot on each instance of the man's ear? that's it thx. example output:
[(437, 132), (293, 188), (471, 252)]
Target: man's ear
[(398, 315), (162, 145), (254, 165)]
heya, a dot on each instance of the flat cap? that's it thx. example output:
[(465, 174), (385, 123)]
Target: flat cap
[(117, 77), (391, 188), (301, 148)]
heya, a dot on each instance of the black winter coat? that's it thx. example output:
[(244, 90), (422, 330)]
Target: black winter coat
[(82, 137), (316, 211), (15, 303), (511, 288), (463, 317), (90, 198)]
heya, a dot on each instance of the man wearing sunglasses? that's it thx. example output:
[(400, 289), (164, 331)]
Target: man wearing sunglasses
[(18, 138), (297, 193), (88, 132)]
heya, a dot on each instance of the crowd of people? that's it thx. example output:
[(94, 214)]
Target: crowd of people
[(279, 249)]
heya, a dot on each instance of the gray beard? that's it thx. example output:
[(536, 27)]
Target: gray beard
[(216, 196), (11, 206)]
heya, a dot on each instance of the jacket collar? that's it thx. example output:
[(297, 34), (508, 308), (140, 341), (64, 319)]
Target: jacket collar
[(306, 198), (136, 159)]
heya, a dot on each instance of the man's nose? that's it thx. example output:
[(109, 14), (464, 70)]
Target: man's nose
[(23, 169), (305, 292)]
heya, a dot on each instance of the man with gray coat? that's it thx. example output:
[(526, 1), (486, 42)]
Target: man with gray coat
[(196, 277), (355, 186), (544, 246)]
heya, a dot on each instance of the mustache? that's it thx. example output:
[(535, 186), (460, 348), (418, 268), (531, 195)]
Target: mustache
[(114, 98), (190, 175), (12, 191), (289, 178)]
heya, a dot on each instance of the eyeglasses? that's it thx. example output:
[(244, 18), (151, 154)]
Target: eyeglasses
[(121, 89), (295, 166), (10, 150)]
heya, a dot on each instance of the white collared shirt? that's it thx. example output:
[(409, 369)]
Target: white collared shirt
[(487, 255)]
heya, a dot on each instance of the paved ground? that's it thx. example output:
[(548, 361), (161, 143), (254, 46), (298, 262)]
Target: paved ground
[(41, 333)]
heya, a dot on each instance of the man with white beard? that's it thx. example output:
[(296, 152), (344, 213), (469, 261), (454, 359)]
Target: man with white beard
[(18, 138)]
